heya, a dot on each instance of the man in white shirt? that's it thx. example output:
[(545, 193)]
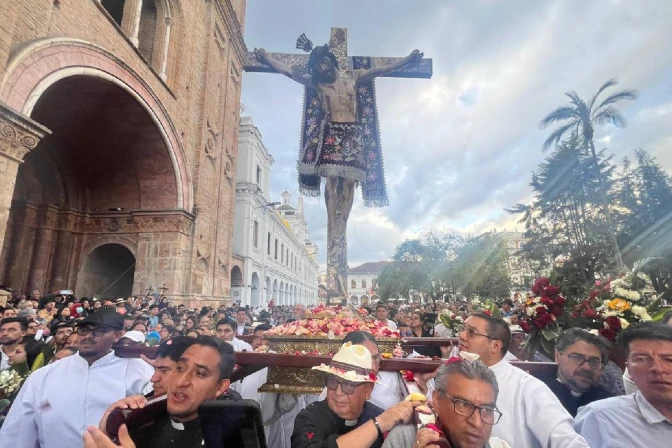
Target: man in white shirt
[(381, 316), (533, 417), (58, 401), (226, 331), (642, 419)]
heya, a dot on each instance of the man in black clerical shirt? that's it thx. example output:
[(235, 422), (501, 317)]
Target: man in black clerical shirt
[(581, 357), (345, 417), (202, 373)]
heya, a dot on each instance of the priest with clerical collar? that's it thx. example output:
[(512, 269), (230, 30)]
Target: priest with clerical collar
[(201, 373), (345, 417)]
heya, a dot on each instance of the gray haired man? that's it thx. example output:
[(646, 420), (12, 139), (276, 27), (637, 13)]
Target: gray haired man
[(465, 403)]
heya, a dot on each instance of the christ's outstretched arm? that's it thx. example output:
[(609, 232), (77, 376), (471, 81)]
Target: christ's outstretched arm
[(263, 57), (368, 75)]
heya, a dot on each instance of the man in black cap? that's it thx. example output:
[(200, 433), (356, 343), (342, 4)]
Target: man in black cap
[(58, 401)]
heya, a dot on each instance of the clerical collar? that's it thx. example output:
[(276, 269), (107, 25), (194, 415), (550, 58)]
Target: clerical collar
[(181, 426), (572, 393), (350, 422)]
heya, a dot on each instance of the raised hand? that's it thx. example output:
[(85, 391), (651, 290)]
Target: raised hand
[(132, 402), (95, 438), (416, 56), (261, 55)]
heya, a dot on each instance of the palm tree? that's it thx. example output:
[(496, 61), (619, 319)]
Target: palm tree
[(580, 118)]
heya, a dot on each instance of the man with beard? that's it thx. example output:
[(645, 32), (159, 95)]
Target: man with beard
[(61, 332), (58, 401), (581, 357), (533, 416), (333, 145), (12, 332)]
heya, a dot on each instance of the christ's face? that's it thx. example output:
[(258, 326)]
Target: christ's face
[(325, 71)]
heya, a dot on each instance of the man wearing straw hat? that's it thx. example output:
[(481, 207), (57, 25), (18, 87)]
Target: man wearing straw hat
[(345, 417)]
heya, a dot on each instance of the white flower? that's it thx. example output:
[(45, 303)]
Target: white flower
[(10, 380), (595, 332), (624, 323), (638, 311)]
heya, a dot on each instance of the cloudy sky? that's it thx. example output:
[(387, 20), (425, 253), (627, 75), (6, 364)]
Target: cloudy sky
[(461, 147)]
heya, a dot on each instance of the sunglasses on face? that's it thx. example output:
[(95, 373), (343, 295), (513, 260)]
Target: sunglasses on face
[(347, 387)]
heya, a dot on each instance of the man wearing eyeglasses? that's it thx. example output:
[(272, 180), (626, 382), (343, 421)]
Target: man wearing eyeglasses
[(58, 401), (465, 406), (581, 357), (533, 417)]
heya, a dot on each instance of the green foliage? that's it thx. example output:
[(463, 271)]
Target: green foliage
[(448, 265)]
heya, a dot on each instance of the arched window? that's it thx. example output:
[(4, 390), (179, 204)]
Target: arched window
[(115, 8)]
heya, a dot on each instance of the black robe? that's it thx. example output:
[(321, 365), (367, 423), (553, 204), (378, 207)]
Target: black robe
[(165, 433), (317, 426), (569, 401)]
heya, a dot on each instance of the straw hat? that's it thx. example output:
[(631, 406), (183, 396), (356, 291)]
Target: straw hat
[(352, 363)]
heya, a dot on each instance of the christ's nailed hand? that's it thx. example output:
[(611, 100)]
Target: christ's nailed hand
[(261, 55), (416, 56)]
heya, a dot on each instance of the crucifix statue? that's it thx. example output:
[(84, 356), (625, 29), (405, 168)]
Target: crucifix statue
[(339, 133)]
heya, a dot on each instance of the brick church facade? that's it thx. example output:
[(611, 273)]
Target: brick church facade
[(118, 141)]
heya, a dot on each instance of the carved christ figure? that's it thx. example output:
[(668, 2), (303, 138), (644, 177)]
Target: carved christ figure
[(335, 148)]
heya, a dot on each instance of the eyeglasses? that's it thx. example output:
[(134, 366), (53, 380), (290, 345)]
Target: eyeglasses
[(490, 416), (471, 333), (97, 331), (347, 387), (579, 360), (406, 333)]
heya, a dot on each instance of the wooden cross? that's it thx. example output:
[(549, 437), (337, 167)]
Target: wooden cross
[(338, 43)]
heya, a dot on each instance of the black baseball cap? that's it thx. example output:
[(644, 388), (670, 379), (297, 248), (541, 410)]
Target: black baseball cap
[(105, 317)]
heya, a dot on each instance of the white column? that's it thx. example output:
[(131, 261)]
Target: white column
[(166, 47), (135, 27)]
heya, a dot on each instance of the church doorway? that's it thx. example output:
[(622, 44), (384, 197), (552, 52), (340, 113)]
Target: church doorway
[(104, 175), (107, 273)]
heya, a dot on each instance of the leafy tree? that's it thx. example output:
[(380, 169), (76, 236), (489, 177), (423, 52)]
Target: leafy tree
[(449, 265), (564, 224), (579, 119), (645, 197)]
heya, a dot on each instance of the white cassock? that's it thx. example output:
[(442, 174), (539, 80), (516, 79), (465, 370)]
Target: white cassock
[(239, 345), (58, 401), (532, 416)]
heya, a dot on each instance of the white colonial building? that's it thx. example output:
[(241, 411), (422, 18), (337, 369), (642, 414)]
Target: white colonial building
[(279, 261), (363, 282)]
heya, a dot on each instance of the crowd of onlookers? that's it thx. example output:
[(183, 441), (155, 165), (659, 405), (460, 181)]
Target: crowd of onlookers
[(589, 401)]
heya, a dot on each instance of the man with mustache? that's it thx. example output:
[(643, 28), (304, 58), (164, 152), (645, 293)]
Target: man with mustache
[(642, 419), (581, 357)]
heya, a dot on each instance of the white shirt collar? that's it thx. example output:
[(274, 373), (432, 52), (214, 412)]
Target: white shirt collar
[(650, 414), (98, 363)]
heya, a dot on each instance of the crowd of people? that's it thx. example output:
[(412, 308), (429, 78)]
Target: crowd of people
[(73, 379)]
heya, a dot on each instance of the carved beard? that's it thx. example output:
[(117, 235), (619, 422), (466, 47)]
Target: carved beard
[(325, 77)]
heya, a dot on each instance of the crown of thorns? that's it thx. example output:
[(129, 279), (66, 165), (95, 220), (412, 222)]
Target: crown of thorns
[(316, 53)]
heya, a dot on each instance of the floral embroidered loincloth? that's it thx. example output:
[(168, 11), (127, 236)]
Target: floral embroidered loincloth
[(350, 150)]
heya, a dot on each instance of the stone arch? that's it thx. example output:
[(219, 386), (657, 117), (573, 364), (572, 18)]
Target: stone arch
[(281, 293), (107, 272), (255, 290), (274, 294), (128, 242), (26, 80), (236, 277), (354, 300)]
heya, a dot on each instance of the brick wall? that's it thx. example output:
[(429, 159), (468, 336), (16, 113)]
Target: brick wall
[(200, 99)]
